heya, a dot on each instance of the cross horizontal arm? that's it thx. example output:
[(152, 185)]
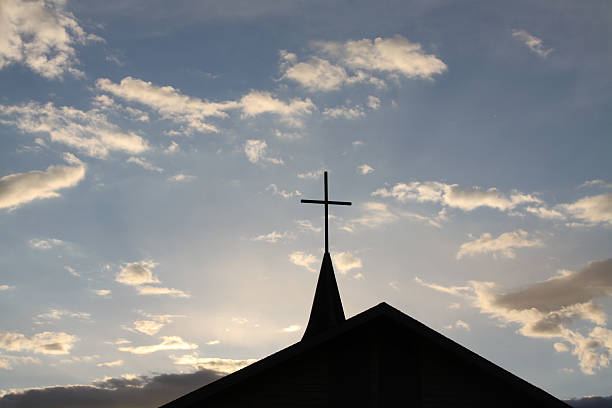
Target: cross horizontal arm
[(326, 202)]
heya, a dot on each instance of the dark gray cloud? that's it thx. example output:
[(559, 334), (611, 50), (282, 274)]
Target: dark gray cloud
[(591, 402), (594, 280), (122, 392)]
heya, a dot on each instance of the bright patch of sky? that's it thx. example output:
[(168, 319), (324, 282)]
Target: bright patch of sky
[(153, 156)]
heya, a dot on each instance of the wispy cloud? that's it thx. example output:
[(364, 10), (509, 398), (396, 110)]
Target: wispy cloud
[(283, 193), (144, 163), (167, 343), (452, 195), (116, 363), (221, 365), (48, 243), (90, 132), (313, 175), (502, 246), (183, 178), (534, 43), (291, 329), (20, 188), (273, 237), (307, 225), (193, 113), (255, 151), (303, 259)]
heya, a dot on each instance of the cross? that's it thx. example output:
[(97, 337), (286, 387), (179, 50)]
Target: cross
[(326, 202)]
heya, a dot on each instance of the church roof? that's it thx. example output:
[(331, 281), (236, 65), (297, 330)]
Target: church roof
[(326, 309), (382, 310)]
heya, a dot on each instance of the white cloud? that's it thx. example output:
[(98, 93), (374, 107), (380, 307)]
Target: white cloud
[(317, 74), (168, 102), (365, 169), (595, 183), (45, 243), (6, 287), (546, 213), (345, 112), (504, 245), (345, 261), (72, 271), (168, 343), (102, 292), (313, 175), (222, 365), (459, 324), (303, 259), (149, 327), (451, 290), (212, 342), (307, 225), (375, 214), (193, 113), (90, 132), (462, 325), (373, 102), (43, 343), (593, 209), (137, 273), (273, 237), (287, 135), (116, 363), (548, 308), (20, 188), (285, 194), (394, 55), (41, 35), (259, 102), (452, 195), (158, 290), (338, 64), (255, 151), (57, 314), (180, 177), (144, 163), (534, 43), (173, 147), (291, 329)]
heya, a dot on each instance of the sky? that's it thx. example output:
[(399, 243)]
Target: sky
[(153, 155)]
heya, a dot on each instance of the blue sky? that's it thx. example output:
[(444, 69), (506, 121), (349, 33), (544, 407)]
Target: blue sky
[(153, 158)]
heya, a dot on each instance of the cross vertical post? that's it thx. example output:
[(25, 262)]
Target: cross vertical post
[(326, 217), (326, 202)]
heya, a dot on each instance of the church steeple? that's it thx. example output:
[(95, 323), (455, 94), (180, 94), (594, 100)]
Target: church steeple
[(327, 311)]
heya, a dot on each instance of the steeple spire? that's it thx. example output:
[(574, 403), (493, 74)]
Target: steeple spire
[(327, 311)]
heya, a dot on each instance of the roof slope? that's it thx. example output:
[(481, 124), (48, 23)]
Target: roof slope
[(380, 310)]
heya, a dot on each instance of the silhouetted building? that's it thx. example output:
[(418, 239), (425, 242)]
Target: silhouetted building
[(378, 358)]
